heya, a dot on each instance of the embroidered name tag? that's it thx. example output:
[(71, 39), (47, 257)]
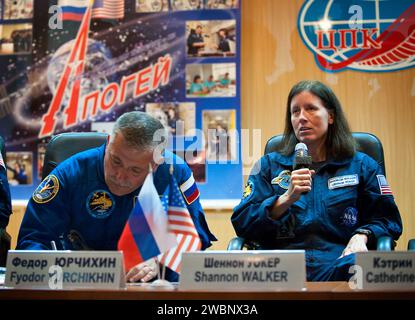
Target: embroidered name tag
[(343, 181)]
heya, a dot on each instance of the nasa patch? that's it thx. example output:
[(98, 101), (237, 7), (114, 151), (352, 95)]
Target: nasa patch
[(283, 179), (100, 204), (349, 218), (47, 190)]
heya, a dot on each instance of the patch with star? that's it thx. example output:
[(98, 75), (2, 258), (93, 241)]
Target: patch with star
[(100, 204), (47, 190), (283, 179)]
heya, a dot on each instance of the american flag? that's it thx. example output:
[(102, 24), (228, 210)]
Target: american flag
[(74, 10), (108, 9), (383, 185), (2, 162), (181, 224)]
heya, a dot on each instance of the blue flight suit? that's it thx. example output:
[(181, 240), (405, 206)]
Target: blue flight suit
[(224, 45), (191, 40), (345, 195), (5, 199), (75, 197)]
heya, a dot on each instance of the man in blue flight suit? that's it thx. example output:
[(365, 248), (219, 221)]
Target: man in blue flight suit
[(195, 41), (5, 200), (86, 201), (224, 41), (5, 207)]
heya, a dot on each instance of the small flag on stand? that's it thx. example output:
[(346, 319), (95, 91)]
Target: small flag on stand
[(146, 234), (182, 225)]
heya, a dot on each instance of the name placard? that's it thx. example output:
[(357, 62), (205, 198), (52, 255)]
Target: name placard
[(64, 269), (384, 271), (270, 270)]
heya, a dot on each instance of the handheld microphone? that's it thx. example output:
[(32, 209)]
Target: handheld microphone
[(301, 158)]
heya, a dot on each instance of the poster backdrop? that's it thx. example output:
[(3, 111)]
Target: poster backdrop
[(65, 67)]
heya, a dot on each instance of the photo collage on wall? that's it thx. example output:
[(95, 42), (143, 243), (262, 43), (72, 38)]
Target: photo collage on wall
[(16, 26), (212, 65), (198, 101), (210, 72), (16, 40)]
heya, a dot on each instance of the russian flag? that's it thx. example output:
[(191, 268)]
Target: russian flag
[(73, 10), (146, 233), (189, 190)]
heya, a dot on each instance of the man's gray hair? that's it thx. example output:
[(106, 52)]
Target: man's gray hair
[(141, 131)]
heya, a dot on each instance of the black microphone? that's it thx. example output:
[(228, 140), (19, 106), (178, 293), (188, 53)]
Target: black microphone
[(78, 243), (301, 158)]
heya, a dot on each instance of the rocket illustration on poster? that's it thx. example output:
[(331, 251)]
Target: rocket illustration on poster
[(77, 65)]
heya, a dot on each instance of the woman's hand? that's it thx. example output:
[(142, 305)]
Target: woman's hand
[(357, 243), (300, 182)]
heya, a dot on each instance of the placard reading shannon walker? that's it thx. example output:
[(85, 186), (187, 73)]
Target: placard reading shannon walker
[(384, 271), (64, 269), (243, 270)]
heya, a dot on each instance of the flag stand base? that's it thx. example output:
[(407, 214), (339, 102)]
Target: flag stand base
[(162, 283)]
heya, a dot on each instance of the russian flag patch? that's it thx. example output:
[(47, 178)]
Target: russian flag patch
[(189, 190), (383, 185)]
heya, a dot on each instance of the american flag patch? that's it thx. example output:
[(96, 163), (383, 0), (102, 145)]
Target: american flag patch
[(383, 185)]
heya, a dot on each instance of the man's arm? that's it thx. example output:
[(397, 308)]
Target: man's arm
[(47, 214)]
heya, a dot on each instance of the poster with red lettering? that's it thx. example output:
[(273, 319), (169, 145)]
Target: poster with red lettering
[(77, 65)]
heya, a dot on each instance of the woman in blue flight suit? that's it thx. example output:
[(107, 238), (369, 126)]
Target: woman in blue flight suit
[(338, 207)]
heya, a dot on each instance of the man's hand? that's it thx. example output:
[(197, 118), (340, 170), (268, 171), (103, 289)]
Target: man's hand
[(143, 272), (357, 243)]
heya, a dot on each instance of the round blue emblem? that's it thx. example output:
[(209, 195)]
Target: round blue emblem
[(100, 204), (350, 217), (47, 190)]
